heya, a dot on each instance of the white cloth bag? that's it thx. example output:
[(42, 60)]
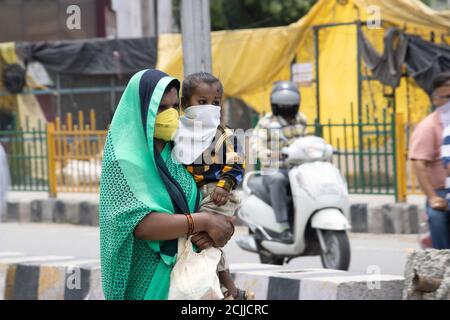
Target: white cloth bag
[(194, 275)]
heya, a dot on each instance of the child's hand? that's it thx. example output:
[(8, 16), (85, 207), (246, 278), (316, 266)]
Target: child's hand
[(220, 196)]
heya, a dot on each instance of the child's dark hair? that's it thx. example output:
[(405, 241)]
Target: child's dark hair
[(193, 80), (441, 80)]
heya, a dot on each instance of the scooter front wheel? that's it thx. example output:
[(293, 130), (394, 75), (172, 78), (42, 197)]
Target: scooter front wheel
[(338, 250)]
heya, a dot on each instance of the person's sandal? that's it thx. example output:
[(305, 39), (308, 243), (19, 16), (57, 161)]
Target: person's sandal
[(241, 295)]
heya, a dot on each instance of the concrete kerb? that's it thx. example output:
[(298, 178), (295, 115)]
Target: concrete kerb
[(285, 283), (17, 211), (399, 218), (49, 278), (88, 214), (49, 208), (52, 211), (357, 287), (78, 279), (69, 278), (432, 269), (15, 282), (36, 211)]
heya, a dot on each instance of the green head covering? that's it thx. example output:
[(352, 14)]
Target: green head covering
[(136, 181)]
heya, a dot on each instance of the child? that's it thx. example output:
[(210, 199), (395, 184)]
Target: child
[(219, 168)]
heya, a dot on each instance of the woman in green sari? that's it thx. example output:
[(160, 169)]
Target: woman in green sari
[(145, 196)]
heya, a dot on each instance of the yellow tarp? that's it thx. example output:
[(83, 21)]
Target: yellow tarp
[(26, 106), (249, 61), (29, 113), (7, 56)]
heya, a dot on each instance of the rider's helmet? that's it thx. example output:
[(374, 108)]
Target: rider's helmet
[(285, 99)]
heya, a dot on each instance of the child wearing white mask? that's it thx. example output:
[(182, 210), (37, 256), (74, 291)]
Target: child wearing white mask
[(212, 155)]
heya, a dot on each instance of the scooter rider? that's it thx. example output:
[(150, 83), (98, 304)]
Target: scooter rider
[(276, 130)]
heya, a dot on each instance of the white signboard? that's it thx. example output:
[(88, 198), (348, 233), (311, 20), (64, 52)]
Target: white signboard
[(37, 72), (302, 74)]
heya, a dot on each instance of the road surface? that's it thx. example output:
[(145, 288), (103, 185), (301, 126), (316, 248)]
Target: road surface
[(387, 252)]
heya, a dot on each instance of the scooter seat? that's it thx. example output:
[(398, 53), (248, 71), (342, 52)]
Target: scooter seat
[(258, 188)]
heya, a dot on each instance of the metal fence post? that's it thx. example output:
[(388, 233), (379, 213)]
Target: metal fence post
[(400, 158), (51, 160), (318, 130)]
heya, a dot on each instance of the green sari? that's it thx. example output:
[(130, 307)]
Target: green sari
[(136, 181)]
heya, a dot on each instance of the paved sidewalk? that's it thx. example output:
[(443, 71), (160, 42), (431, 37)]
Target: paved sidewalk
[(387, 252)]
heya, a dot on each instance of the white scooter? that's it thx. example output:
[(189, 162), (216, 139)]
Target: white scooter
[(319, 204)]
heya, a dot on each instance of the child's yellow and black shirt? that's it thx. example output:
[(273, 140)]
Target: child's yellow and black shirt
[(222, 162)]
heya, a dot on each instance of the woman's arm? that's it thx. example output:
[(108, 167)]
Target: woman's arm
[(162, 226), (436, 202)]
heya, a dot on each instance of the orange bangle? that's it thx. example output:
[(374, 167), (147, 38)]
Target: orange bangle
[(191, 219), (190, 225)]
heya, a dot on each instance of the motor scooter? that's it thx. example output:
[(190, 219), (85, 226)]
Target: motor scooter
[(318, 202)]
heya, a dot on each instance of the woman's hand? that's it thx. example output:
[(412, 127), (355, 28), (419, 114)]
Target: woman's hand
[(438, 203), (202, 240), (219, 228)]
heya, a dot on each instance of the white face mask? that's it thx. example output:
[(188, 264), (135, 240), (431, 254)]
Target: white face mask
[(444, 113), (196, 130)]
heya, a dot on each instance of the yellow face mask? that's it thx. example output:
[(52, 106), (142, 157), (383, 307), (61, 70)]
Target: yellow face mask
[(166, 124)]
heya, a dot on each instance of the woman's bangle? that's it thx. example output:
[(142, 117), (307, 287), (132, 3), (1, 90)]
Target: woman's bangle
[(191, 226)]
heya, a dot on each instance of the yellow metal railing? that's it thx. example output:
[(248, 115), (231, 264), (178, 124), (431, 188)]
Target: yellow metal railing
[(75, 154), (400, 156), (406, 178), (413, 186)]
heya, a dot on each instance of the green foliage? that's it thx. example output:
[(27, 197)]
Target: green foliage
[(241, 14)]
